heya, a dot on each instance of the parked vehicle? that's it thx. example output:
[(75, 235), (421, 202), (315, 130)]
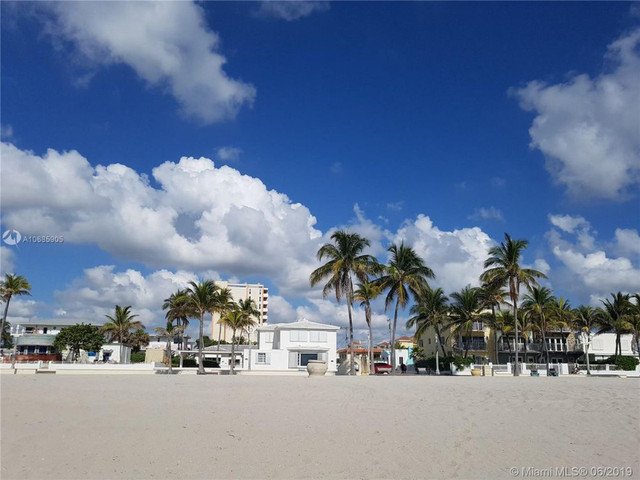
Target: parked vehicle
[(382, 368)]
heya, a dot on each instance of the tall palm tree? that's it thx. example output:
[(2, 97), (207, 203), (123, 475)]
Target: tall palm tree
[(170, 331), (503, 268), (10, 286), (405, 276), (365, 292), (237, 320), (120, 325), (586, 319), (612, 317), (465, 309), (177, 307), (430, 311), (201, 301), (345, 259), (249, 308), (538, 304), (493, 296)]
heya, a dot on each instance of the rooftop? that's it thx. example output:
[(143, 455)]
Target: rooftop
[(303, 324)]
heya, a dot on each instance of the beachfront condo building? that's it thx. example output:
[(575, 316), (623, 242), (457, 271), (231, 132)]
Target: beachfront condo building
[(242, 291)]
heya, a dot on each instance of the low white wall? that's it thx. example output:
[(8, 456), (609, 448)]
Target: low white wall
[(106, 368)]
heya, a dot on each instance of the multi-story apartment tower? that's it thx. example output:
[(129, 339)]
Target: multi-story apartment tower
[(241, 291)]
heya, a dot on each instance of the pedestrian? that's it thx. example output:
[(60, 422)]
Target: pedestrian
[(403, 368)]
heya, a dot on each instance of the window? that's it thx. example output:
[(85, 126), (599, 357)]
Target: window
[(264, 358), (317, 336), (298, 335), (267, 336)]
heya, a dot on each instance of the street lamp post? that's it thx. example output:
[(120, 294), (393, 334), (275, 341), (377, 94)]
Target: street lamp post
[(437, 358)]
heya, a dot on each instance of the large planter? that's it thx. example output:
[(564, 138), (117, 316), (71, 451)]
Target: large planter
[(316, 368), (476, 372), (466, 371)]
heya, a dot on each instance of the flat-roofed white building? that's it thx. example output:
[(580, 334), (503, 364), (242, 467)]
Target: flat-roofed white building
[(290, 346), (242, 291)]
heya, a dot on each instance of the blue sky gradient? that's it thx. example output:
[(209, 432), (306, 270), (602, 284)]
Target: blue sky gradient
[(368, 114)]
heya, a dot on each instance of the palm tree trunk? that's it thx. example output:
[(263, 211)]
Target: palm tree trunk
[(516, 371), (200, 345), (232, 360), (4, 319), (393, 340), (351, 349), (444, 352), (495, 332), (169, 354), (370, 344)]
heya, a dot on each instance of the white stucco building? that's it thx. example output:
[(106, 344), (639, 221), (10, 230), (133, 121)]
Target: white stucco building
[(290, 346), (603, 345)]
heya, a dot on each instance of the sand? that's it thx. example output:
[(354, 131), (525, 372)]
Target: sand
[(166, 427)]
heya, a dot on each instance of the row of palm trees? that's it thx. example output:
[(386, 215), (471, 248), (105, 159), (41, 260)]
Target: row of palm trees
[(200, 299), (405, 278)]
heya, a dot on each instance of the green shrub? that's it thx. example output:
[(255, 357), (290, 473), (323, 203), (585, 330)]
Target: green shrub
[(430, 363), (462, 362), (625, 362), (193, 362), (137, 357)]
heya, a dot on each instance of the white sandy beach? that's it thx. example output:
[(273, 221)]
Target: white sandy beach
[(170, 427)]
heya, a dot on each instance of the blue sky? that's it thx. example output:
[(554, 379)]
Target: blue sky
[(443, 124)]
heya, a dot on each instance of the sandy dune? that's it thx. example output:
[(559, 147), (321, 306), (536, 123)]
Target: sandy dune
[(109, 427)]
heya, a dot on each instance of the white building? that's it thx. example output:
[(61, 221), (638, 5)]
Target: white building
[(290, 346), (241, 291), (603, 345)]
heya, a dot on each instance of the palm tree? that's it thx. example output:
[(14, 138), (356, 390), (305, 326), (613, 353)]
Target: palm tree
[(365, 292), (120, 325), (177, 307), (138, 339), (586, 319), (236, 320), (633, 318), (12, 285), (465, 309), (493, 296), (404, 276), (170, 331), (201, 301), (222, 303), (430, 311), (248, 307), (505, 325), (612, 317), (503, 268), (538, 304), (345, 258)]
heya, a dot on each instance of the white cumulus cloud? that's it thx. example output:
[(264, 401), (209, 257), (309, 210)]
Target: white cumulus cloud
[(591, 267), (167, 44), (199, 217), (589, 128)]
